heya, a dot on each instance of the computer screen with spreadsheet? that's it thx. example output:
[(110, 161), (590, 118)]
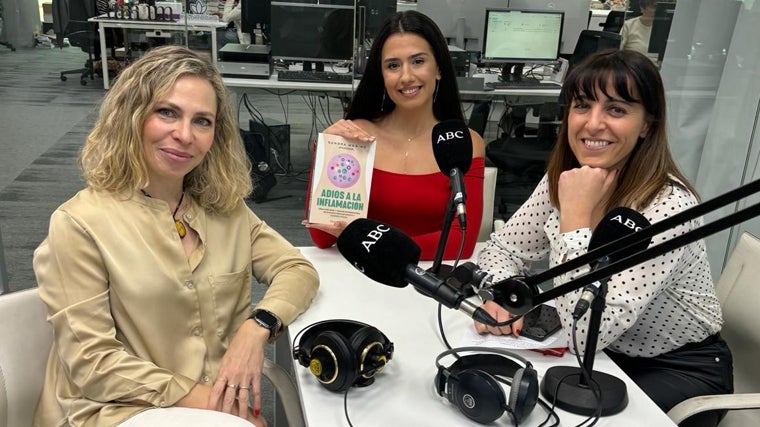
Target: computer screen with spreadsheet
[(460, 21), (513, 35)]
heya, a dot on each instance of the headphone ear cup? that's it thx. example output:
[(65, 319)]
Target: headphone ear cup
[(477, 395), (368, 345), (523, 393), (332, 361)]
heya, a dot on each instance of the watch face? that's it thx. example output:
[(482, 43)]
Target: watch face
[(266, 319)]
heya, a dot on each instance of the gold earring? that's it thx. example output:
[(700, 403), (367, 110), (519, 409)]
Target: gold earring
[(382, 103)]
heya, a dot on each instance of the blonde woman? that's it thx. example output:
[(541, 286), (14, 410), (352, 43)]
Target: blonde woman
[(147, 272)]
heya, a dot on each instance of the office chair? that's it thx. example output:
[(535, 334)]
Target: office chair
[(738, 294), (590, 41), (634, 9), (614, 21), (479, 117), (25, 340), (70, 21), (521, 154), (489, 194)]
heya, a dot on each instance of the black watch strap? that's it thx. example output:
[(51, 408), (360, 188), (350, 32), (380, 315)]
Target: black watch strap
[(267, 320)]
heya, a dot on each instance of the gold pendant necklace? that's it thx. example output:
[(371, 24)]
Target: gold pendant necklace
[(408, 145), (178, 224)]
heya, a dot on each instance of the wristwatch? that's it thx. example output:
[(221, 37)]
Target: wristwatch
[(267, 320)]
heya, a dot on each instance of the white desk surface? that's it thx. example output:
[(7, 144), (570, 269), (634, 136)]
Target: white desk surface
[(403, 393), (272, 84)]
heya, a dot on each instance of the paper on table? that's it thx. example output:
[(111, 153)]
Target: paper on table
[(471, 338)]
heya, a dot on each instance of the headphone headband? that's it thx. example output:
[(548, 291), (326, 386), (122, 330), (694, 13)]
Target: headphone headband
[(492, 350), (345, 327), (472, 383)]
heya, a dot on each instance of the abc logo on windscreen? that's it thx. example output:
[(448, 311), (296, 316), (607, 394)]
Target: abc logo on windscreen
[(448, 136)]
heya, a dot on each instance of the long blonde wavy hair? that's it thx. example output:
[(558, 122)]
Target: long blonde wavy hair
[(112, 158)]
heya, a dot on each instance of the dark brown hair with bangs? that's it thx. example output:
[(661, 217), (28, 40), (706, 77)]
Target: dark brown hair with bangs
[(634, 78)]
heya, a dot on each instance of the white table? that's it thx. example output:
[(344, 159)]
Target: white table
[(403, 394), (153, 26), (240, 85)]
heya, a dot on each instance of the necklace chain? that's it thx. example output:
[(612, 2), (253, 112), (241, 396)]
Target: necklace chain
[(181, 229)]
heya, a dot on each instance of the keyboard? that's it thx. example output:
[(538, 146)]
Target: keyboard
[(314, 77), (522, 84)]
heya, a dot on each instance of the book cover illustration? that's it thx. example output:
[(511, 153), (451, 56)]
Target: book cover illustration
[(341, 179)]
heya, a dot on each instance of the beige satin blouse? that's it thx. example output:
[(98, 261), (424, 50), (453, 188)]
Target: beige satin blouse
[(134, 317)]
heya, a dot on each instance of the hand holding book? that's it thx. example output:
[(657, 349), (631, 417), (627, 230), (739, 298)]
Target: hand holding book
[(341, 180)]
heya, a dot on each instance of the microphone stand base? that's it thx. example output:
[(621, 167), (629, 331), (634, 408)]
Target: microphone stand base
[(572, 396)]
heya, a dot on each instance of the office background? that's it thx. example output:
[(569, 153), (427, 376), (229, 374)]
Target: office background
[(710, 70)]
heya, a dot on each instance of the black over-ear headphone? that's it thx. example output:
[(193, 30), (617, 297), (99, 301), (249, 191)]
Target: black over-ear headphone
[(342, 353), (469, 383)]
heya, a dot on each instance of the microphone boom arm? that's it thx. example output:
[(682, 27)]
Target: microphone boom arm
[(649, 232), (519, 294)]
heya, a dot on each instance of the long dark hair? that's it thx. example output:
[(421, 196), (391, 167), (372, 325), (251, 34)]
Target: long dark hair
[(650, 165), (368, 100)]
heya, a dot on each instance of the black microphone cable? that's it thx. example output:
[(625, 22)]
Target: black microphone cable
[(594, 418), (440, 306), (345, 393), (587, 376), (345, 406)]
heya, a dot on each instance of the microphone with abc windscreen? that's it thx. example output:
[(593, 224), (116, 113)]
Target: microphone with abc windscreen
[(577, 392), (452, 148), (618, 223), (386, 255)]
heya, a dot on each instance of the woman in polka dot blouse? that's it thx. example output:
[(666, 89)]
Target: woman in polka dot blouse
[(662, 319)]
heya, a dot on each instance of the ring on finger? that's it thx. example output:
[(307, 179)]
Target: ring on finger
[(244, 388), (231, 386)]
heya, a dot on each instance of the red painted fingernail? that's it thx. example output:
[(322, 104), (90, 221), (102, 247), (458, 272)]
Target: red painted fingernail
[(517, 332), (256, 412)]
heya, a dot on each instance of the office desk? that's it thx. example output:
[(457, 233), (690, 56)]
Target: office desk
[(275, 86), (403, 393), (341, 89), (155, 26)]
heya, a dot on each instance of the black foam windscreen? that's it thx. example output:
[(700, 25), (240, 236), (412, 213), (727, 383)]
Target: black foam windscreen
[(452, 146), (378, 250), (618, 223)]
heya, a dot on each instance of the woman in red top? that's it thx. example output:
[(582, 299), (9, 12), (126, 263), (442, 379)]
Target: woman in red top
[(408, 87)]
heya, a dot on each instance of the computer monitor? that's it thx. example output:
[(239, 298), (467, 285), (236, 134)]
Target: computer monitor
[(254, 12), (658, 38), (575, 20), (370, 15), (312, 32), (519, 36), (460, 21)]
